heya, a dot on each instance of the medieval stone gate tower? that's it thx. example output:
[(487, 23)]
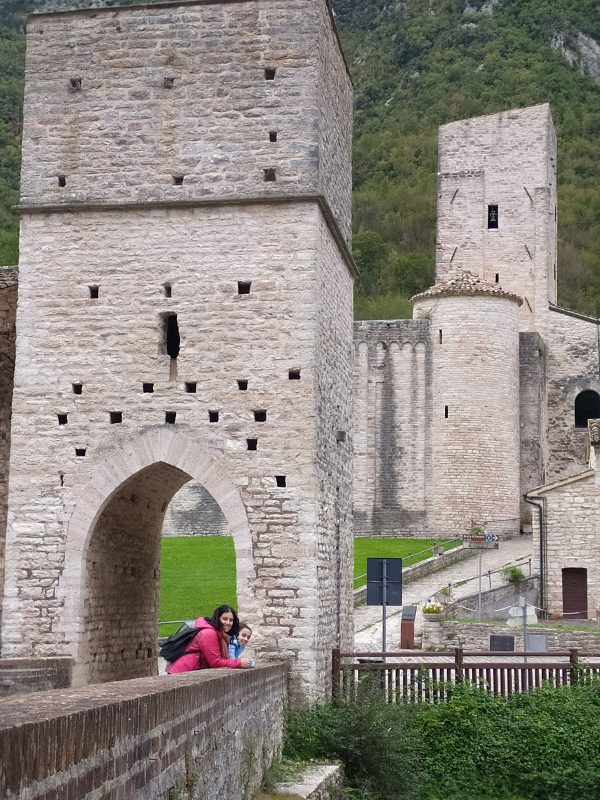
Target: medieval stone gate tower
[(185, 311)]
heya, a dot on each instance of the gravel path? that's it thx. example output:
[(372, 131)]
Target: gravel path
[(367, 619)]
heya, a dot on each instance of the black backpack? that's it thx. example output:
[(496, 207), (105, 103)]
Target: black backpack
[(175, 645)]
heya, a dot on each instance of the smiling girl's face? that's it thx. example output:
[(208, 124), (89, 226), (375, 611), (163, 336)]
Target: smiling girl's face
[(226, 621), (243, 636)]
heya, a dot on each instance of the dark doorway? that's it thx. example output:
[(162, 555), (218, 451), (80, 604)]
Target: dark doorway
[(574, 583), (587, 406)]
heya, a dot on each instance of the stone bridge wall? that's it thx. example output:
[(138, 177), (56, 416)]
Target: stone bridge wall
[(211, 732)]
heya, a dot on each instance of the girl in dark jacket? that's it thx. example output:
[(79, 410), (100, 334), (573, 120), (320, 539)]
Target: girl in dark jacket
[(210, 646)]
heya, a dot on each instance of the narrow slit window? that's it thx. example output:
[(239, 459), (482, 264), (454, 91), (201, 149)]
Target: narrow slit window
[(191, 388), (280, 481), (148, 388), (167, 288), (497, 277), (294, 374), (244, 287), (80, 452), (440, 335), (62, 181), (446, 412), (252, 444), (77, 388), (272, 136), (492, 216), (270, 74), (171, 337), (269, 174), (116, 417), (213, 416), (62, 419), (242, 385), (260, 416), (178, 180), (170, 417), (94, 292)]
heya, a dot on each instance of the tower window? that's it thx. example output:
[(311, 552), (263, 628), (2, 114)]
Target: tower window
[(492, 216), (171, 338), (94, 290), (74, 84), (260, 416), (168, 83), (62, 180), (269, 175), (77, 388), (270, 74), (446, 412), (170, 417), (244, 287), (213, 416), (80, 451), (497, 277), (272, 136), (191, 388), (294, 374), (440, 336), (147, 388), (587, 406), (280, 481), (116, 417), (177, 180), (62, 419), (167, 288), (252, 444), (242, 385)]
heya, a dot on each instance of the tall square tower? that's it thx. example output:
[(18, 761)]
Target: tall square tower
[(497, 205), (185, 312)]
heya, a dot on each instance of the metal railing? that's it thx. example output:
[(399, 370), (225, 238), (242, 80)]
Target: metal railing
[(446, 590), (419, 553), (420, 677)]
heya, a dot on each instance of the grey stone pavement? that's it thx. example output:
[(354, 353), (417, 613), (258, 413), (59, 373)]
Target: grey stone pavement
[(367, 619)]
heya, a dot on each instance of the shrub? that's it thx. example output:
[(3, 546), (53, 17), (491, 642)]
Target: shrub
[(513, 574)]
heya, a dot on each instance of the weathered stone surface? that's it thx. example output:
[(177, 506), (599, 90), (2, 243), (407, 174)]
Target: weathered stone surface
[(194, 512), (22, 675), (475, 636)]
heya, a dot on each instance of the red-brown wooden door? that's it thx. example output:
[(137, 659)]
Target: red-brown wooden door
[(574, 584)]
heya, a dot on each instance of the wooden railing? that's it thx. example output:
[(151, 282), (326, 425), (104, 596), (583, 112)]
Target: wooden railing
[(411, 676)]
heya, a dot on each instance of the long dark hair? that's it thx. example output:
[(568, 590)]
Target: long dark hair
[(215, 620)]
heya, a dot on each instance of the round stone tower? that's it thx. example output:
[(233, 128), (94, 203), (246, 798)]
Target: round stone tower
[(475, 405)]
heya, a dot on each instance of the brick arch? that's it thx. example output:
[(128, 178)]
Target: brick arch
[(154, 466)]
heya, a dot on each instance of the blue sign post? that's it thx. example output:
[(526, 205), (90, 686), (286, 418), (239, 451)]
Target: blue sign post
[(384, 586)]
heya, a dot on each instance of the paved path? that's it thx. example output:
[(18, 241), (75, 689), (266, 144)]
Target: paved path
[(367, 619)]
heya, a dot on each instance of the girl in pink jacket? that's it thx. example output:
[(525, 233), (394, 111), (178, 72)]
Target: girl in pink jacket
[(210, 646)]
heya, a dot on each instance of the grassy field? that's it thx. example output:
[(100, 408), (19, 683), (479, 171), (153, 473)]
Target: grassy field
[(198, 572)]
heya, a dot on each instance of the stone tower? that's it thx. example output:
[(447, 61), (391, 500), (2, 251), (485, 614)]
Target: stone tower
[(185, 312), (496, 210), (475, 405)]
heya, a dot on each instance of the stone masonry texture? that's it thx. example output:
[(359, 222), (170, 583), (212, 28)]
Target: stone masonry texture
[(215, 731), (96, 457)]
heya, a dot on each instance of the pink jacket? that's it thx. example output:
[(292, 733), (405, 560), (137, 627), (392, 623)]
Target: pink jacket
[(208, 643)]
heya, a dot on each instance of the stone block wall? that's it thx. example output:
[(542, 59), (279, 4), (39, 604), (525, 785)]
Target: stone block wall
[(8, 313), (215, 731), (533, 415), (392, 445), (194, 512), (573, 358), (24, 675), (508, 160)]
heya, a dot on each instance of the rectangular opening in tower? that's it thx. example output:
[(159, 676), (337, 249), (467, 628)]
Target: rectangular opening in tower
[(213, 416), (191, 387), (170, 335), (446, 412), (270, 74), (252, 444), (269, 175), (178, 180), (492, 216), (294, 374), (62, 181), (116, 417), (62, 419), (167, 288), (440, 336), (272, 136), (260, 416), (244, 287), (497, 277), (77, 388), (147, 388), (280, 481), (242, 385), (80, 452), (170, 417), (94, 291)]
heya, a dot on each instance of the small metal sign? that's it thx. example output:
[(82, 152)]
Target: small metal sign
[(375, 581), (500, 644), (481, 541)]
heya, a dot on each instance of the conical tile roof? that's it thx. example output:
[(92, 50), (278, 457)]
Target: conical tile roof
[(465, 283)]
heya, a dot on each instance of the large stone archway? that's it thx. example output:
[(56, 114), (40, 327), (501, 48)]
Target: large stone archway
[(110, 581)]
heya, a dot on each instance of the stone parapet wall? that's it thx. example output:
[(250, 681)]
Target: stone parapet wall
[(215, 730), (475, 636), (493, 599)]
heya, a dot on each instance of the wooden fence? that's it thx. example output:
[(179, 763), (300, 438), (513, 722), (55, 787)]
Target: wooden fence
[(421, 677)]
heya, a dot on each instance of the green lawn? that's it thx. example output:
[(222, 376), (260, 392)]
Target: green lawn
[(197, 573)]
